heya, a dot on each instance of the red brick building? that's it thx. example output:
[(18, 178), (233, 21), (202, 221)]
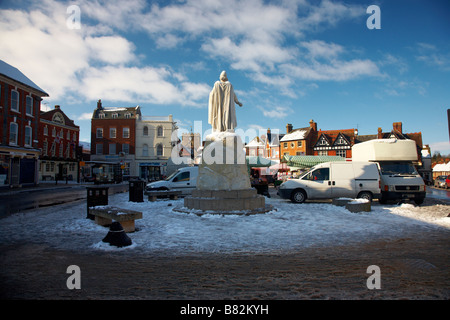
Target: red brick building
[(20, 104), (58, 141), (113, 136)]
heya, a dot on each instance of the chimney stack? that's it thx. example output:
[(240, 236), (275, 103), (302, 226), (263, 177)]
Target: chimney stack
[(57, 106), (289, 128), (380, 133), (313, 124), (397, 126)]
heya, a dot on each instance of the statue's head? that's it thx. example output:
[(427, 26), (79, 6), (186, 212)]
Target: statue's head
[(223, 76)]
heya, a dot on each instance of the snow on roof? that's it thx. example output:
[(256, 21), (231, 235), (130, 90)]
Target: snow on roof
[(255, 143), (15, 74), (442, 167), (295, 135)]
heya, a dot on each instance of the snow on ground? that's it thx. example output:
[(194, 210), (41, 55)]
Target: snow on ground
[(162, 230)]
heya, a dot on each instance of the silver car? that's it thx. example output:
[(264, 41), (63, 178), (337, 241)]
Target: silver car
[(439, 182)]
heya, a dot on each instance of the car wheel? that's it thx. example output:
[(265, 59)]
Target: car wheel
[(419, 200), (298, 196), (365, 195)]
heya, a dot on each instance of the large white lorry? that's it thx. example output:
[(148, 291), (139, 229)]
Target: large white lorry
[(395, 159)]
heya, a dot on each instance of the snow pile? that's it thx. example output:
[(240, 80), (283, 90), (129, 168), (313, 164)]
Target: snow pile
[(163, 230)]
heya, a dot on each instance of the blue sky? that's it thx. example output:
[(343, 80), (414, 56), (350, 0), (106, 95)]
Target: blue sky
[(289, 61)]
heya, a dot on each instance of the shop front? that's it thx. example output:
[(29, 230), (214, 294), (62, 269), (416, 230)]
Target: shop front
[(18, 167), (152, 171)]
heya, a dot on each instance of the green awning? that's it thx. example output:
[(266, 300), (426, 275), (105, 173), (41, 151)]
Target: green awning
[(309, 161), (255, 162)]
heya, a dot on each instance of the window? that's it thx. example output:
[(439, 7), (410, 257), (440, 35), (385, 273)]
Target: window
[(68, 135), (99, 133), (45, 131), (126, 148), (184, 176), (341, 153), (285, 145), (101, 115), (299, 143), (28, 136), (323, 153), (112, 148), (292, 144), (61, 150), (159, 150), (68, 151), (13, 130), (115, 115), (145, 131), (61, 134), (74, 136), (160, 131), (15, 100), (126, 132), (45, 148), (145, 150), (53, 132), (112, 132), (319, 175), (53, 149), (99, 148), (127, 115), (29, 105)]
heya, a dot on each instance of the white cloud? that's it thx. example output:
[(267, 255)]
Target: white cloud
[(110, 49), (84, 116)]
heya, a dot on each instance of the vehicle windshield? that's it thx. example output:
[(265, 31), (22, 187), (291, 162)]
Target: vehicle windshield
[(397, 168), (171, 176)]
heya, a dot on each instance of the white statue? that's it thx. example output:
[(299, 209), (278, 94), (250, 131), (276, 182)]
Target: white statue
[(221, 109)]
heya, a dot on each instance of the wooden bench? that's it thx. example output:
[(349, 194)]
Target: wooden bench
[(104, 215), (173, 194)]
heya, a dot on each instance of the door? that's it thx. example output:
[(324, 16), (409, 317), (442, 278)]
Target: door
[(342, 180), (15, 171), (182, 181), (317, 184)]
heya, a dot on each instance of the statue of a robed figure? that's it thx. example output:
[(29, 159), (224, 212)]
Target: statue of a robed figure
[(223, 182), (221, 108)]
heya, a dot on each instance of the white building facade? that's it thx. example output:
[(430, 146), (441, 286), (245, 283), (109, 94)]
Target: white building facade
[(154, 146)]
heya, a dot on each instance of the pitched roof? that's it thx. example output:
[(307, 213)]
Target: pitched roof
[(15, 74), (297, 134)]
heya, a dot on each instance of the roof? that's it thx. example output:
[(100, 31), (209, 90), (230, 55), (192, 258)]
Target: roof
[(297, 134), (442, 167), (256, 142), (309, 161), (15, 74)]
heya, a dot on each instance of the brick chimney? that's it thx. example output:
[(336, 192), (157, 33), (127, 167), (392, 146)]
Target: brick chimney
[(99, 104), (397, 126), (313, 124), (380, 133), (57, 106), (289, 128)]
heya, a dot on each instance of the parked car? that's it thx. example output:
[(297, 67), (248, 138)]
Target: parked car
[(184, 180), (333, 180), (440, 182), (447, 182)]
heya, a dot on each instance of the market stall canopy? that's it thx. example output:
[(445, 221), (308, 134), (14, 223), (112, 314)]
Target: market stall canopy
[(309, 161), (256, 161)]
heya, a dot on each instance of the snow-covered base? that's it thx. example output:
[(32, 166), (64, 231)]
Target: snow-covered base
[(165, 231)]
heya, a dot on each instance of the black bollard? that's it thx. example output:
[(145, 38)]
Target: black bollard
[(117, 236)]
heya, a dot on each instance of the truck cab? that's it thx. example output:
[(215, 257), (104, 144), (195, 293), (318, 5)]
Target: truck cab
[(395, 159)]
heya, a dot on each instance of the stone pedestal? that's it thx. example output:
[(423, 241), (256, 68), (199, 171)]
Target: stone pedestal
[(223, 183)]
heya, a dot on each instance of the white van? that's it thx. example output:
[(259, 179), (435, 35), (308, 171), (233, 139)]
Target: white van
[(184, 180), (334, 180)]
